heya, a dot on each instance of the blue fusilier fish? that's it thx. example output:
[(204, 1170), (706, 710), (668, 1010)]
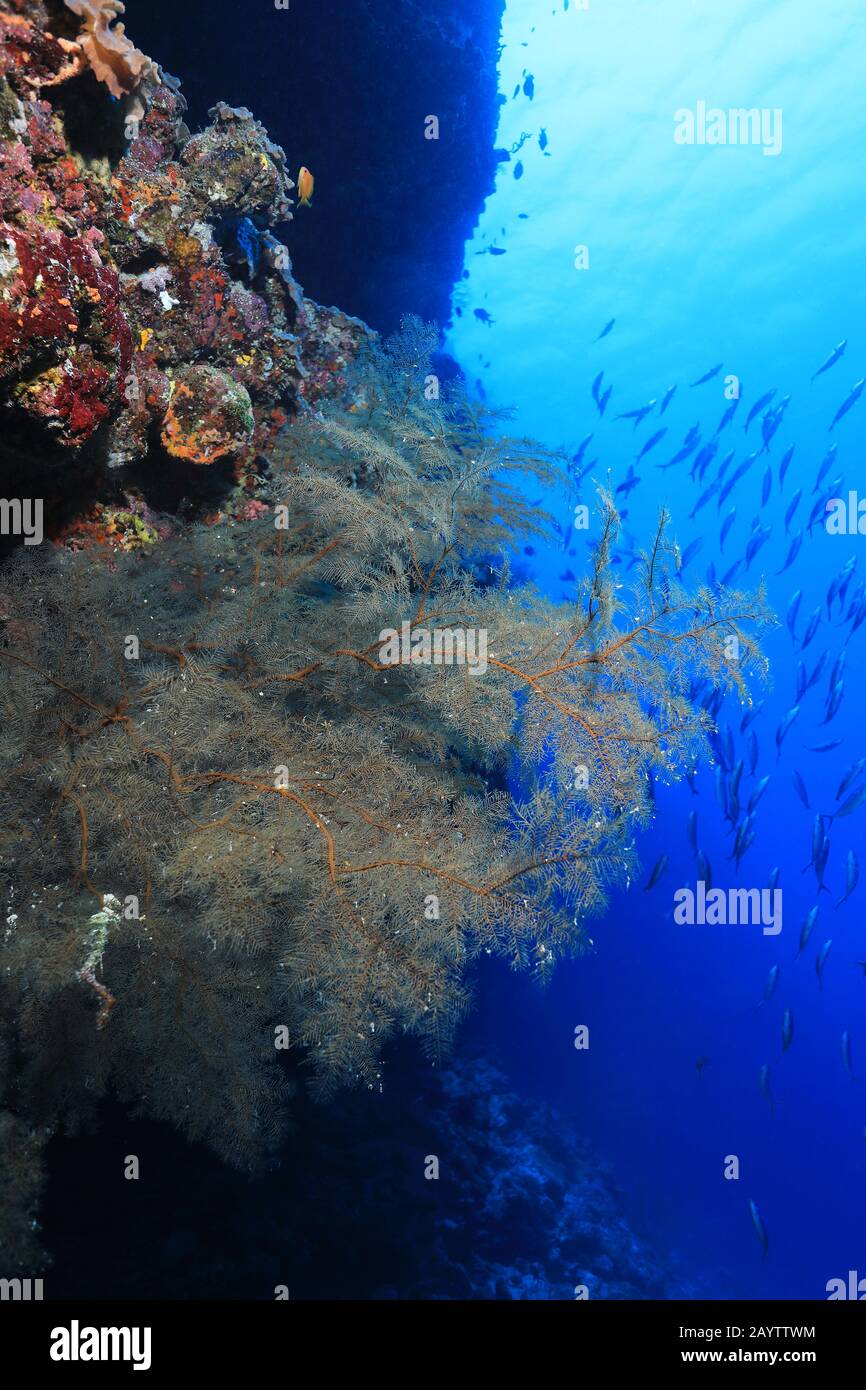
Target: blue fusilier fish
[(818, 672), (688, 554), (838, 586), (819, 510), (766, 486), (657, 871), (760, 404), (852, 876), (769, 425), (859, 614), (850, 400), (826, 464), (722, 792), (787, 1029), (703, 459), (708, 376), (758, 793), (750, 716), (629, 483), (756, 542), (811, 628), (582, 448), (666, 399), (753, 752), (727, 417), (769, 991), (604, 332), (637, 415), (834, 700), (802, 682), (850, 804), (651, 443), (821, 961), (735, 478), (689, 446), (791, 615), (850, 777), (824, 747), (783, 728), (846, 574), (596, 387), (602, 405), (764, 1083), (704, 499), (846, 1054), (793, 552), (760, 1228), (800, 788), (705, 870), (806, 930), (785, 464), (743, 840), (832, 359), (820, 854), (792, 507), (726, 526), (773, 881)]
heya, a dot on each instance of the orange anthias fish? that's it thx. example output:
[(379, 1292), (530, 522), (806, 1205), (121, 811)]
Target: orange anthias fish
[(306, 184)]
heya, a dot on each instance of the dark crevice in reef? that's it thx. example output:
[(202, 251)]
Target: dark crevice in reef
[(520, 1208), (347, 87)]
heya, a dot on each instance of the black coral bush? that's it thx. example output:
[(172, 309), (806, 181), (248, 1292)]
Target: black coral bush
[(232, 819)]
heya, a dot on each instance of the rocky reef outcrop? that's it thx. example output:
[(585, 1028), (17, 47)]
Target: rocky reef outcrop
[(519, 1208), (149, 316), (349, 86)]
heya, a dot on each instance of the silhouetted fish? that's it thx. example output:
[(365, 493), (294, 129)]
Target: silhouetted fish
[(821, 961), (783, 728), (769, 990), (657, 871), (852, 876), (764, 1083), (760, 1229), (850, 400), (800, 788), (708, 376), (832, 359), (760, 404)]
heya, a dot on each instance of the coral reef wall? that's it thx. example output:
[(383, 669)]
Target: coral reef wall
[(349, 86), (148, 310)]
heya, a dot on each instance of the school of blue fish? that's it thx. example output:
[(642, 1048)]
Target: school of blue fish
[(819, 679)]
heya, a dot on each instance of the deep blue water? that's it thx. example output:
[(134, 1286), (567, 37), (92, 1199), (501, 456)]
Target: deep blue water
[(704, 254)]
